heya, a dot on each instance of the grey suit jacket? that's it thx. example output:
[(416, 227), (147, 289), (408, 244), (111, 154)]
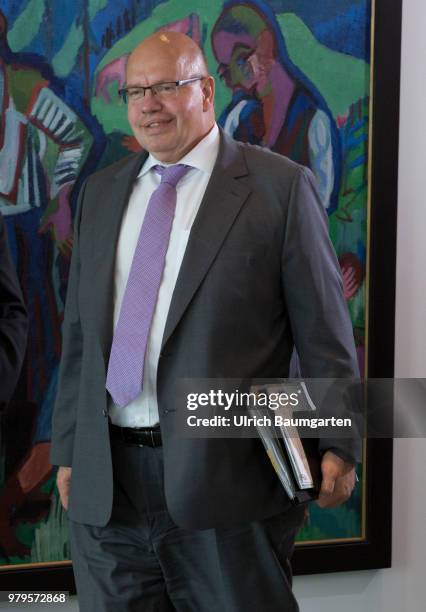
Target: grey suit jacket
[(258, 276)]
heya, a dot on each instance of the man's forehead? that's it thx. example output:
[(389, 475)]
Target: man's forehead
[(166, 52), (164, 47), (151, 52), (154, 69)]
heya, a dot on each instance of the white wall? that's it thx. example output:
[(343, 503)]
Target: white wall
[(403, 586)]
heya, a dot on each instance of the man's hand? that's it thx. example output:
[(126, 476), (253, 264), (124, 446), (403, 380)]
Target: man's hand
[(338, 481), (63, 481)]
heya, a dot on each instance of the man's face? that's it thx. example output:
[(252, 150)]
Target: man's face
[(236, 54), (168, 127)]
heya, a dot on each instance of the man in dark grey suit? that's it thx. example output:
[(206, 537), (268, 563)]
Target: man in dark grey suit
[(159, 521), (13, 322)]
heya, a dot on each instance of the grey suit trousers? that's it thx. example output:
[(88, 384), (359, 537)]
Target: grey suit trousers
[(142, 561)]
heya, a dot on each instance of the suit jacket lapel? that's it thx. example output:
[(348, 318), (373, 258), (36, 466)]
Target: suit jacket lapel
[(111, 212), (222, 202)]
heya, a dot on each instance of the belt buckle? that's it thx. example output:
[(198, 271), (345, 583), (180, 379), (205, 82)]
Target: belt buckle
[(140, 445), (133, 441)]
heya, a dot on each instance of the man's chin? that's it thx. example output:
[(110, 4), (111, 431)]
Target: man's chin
[(167, 155), (157, 145)]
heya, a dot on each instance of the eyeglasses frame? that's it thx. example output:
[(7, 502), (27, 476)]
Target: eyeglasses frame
[(123, 93)]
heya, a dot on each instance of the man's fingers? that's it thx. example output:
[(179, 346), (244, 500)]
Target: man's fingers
[(327, 485), (327, 491), (338, 481), (331, 468), (342, 491), (63, 481), (63, 494)]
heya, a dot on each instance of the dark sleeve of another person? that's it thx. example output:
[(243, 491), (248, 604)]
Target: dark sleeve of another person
[(13, 322)]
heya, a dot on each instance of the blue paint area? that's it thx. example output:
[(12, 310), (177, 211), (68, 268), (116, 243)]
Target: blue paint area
[(252, 108), (348, 32), (358, 161), (55, 28), (119, 17), (301, 104), (361, 251), (342, 25), (12, 9), (43, 431)]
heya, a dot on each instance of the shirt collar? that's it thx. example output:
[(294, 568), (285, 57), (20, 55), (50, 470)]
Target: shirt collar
[(202, 156)]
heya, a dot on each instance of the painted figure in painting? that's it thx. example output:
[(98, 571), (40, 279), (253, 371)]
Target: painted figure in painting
[(273, 103), (42, 149)]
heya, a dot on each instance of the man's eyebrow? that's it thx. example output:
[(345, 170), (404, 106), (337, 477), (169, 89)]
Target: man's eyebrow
[(156, 83)]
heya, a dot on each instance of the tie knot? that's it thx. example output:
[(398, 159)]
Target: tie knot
[(172, 174)]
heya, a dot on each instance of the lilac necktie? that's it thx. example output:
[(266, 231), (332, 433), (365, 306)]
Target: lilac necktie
[(126, 361)]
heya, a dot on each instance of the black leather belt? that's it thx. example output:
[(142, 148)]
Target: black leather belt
[(137, 436)]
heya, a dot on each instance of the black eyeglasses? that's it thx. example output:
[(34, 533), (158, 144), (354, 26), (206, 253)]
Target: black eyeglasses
[(135, 94)]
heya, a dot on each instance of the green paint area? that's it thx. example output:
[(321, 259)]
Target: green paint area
[(21, 83), (51, 538), (64, 60), (342, 522), (50, 157), (356, 306), (25, 533), (49, 486), (337, 523), (14, 560), (112, 115), (348, 224), (251, 20), (48, 538), (26, 25), (340, 78)]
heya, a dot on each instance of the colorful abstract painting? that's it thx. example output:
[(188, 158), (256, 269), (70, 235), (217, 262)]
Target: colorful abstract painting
[(292, 75)]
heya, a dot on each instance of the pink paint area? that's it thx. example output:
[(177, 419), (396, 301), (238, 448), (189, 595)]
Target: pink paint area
[(224, 44), (341, 120), (115, 71), (188, 25), (352, 274), (59, 221)]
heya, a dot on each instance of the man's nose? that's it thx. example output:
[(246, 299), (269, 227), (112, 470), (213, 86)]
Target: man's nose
[(150, 102)]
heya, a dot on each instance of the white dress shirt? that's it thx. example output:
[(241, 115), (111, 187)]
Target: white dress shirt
[(143, 411)]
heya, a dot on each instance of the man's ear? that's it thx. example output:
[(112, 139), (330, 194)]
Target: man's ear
[(208, 93)]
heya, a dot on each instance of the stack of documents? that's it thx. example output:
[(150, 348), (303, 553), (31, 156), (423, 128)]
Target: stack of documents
[(296, 460)]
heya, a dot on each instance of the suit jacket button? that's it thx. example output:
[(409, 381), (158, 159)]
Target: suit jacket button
[(105, 412)]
